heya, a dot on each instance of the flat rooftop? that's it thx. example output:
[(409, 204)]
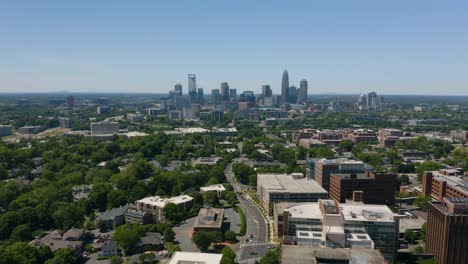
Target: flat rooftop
[(209, 218), (286, 183), (181, 257), (315, 255), (456, 182), (161, 202), (214, 187)]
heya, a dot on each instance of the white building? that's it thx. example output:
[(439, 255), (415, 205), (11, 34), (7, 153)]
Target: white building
[(181, 257), (156, 204)]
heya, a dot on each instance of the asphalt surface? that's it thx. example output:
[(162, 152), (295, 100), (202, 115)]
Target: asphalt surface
[(256, 234)]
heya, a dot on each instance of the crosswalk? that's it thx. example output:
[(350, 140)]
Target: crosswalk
[(250, 260), (255, 244)]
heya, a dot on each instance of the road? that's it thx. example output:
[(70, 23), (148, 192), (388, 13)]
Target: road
[(256, 225)]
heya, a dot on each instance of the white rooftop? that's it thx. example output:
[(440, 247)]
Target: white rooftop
[(161, 202), (181, 257), (274, 182), (214, 187)]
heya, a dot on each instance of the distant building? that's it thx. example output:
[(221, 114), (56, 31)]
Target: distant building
[(311, 143), (70, 101), (372, 101), (302, 92), (389, 136), (104, 128), (292, 94), (65, 122), (447, 230), (209, 161), (375, 188), (285, 87), (218, 188), (156, 204), (328, 224), (113, 218), (266, 91), (135, 117), (200, 96), (461, 135), (103, 110), (178, 89), (6, 130), (215, 96), (273, 188), (209, 219), (224, 91), (175, 115), (30, 130), (192, 83), (361, 135), (109, 249)]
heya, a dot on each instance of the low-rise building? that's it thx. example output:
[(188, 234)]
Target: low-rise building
[(104, 128), (113, 218), (275, 187), (329, 224), (156, 204), (6, 130), (361, 135), (208, 161), (209, 219), (218, 188), (110, 248), (311, 143), (30, 130), (181, 257), (134, 216)]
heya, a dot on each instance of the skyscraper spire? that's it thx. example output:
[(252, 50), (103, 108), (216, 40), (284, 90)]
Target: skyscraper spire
[(285, 87)]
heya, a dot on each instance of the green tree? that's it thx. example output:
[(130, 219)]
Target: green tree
[(410, 236), (271, 257), (63, 256), (422, 234), (204, 239), (169, 235), (229, 256), (230, 235), (22, 233), (422, 201), (116, 260), (128, 235), (173, 212)]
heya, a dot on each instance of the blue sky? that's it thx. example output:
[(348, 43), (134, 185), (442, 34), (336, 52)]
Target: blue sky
[(392, 47)]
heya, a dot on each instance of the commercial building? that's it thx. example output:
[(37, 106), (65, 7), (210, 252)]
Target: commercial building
[(65, 122), (285, 87), (447, 230), (181, 257), (374, 187), (209, 219), (438, 185), (302, 92), (218, 188), (324, 167), (6, 130), (104, 128), (30, 129), (156, 204), (389, 136), (103, 110), (361, 135), (273, 188), (327, 223), (311, 143)]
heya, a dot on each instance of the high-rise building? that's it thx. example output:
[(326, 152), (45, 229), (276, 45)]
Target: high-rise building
[(266, 91), (362, 103), (200, 96), (302, 93), (233, 94), (192, 83), (292, 95), (215, 96), (372, 101), (70, 101), (285, 87), (224, 91), (178, 88), (447, 230)]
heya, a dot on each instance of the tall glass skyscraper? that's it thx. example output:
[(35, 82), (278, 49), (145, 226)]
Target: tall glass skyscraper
[(285, 87), (192, 83), (302, 95)]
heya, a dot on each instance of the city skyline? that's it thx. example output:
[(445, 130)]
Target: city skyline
[(401, 47)]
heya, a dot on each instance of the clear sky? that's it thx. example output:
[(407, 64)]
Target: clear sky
[(339, 46)]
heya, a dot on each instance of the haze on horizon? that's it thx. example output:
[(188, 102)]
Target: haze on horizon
[(395, 47)]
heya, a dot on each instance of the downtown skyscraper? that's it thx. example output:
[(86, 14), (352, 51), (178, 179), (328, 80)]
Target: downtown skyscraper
[(225, 91), (285, 87), (192, 83), (302, 92)]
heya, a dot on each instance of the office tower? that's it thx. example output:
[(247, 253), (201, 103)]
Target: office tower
[(215, 96), (233, 94), (192, 83), (362, 103), (447, 230), (285, 87), (292, 95), (200, 96), (224, 91), (266, 91), (302, 93), (70, 101), (248, 96), (178, 88), (372, 102)]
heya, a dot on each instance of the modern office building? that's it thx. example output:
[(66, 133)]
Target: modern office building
[(389, 136), (362, 103), (275, 187), (224, 91), (104, 128), (324, 167), (302, 92), (70, 101), (6, 130), (156, 204), (200, 96), (285, 87), (447, 230), (192, 83), (292, 95), (438, 185), (30, 130), (103, 110), (215, 96), (266, 91), (375, 188), (372, 101), (65, 122), (329, 224), (178, 88)]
